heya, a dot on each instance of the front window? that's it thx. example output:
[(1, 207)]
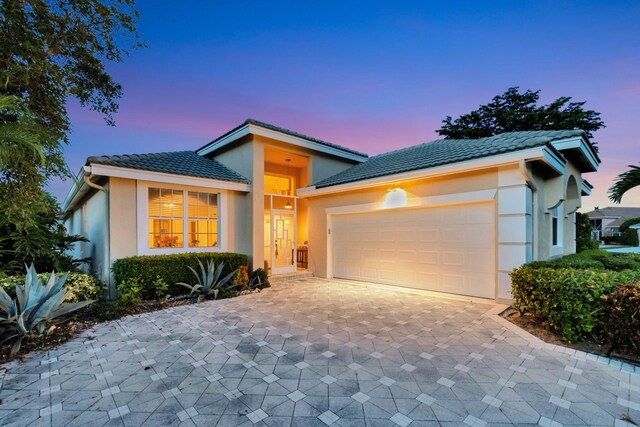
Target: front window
[(168, 212), (556, 226), (203, 219), (166, 218)]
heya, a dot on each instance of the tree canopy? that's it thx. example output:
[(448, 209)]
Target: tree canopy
[(51, 51), (54, 49), (517, 111)]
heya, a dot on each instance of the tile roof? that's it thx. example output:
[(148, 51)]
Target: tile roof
[(288, 132), (443, 152), (615, 212), (178, 162)]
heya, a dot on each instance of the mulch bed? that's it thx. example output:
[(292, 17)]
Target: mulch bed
[(537, 328), (83, 319)]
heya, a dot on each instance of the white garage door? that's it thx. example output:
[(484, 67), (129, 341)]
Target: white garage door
[(447, 249)]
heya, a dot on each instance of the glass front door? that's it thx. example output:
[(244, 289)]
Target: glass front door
[(283, 238)]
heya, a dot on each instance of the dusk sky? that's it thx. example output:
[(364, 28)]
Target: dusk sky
[(373, 76)]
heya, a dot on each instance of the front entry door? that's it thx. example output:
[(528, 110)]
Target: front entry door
[(283, 238)]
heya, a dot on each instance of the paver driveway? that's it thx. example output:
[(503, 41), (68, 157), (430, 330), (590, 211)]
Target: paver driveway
[(314, 352)]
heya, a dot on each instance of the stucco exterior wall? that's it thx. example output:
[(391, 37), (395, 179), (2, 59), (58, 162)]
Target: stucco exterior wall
[(96, 220), (550, 192), (247, 158), (317, 206), (122, 213), (324, 166)]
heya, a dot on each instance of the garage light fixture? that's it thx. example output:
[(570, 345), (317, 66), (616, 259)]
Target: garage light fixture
[(395, 198)]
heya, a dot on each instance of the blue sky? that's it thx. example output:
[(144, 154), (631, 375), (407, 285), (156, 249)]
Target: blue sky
[(373, 76)]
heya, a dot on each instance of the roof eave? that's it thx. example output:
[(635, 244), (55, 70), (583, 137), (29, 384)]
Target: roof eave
[(541, 153), (165, 177), (256, 129), (582, 145)]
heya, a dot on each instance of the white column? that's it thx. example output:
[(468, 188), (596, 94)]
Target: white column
[(515, 227)]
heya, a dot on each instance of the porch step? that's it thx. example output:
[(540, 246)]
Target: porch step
[(276, 279)]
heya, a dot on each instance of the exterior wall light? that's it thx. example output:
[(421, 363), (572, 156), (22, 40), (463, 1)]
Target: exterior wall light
[(395, 198)]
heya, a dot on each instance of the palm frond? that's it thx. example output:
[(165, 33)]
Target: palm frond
[(625, 182)]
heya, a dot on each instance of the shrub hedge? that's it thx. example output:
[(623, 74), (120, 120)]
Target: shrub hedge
[(80, 286), (568, 299), (594, 259), (153, 269), (621, 317)]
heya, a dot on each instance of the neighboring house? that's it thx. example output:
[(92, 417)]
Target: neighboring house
[(606, 222), (450, 215)]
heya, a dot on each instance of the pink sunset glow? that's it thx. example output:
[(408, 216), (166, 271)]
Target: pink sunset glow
[(380, 83)]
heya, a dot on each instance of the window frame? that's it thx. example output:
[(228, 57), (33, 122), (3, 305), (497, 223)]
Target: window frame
[(142, 190), (557, 228)]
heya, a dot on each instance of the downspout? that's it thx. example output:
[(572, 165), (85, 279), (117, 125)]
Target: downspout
[(522, 165), (87, 180)]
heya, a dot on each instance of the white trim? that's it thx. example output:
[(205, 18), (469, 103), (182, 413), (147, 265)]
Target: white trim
[(581, 144), (422, 202), (138, 174), (142, 238), (418, 202), (537, 153), (255, 129), (554, 161)]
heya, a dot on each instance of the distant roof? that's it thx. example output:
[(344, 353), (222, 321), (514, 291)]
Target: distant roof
[(615, 212), (178, 162), (286, 131), (445, 151)]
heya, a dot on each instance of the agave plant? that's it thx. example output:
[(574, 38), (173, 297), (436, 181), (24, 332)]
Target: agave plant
[(35, 306), (209, 280)]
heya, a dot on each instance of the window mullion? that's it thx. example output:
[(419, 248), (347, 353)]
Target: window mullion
[(185, 220)]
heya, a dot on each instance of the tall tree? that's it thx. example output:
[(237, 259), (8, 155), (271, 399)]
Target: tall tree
[(625, 182), (50, 51), (23, 163), (516, 111)]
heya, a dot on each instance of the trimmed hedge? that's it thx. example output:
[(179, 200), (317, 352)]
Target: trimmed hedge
[(568, 299), (80, 286), (594, 259), (151, 269), (621, 318)]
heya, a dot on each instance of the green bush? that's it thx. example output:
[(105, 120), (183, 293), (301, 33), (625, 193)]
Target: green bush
[(170, 269), (80, 286), (621, 317), (129, 292), (583, 233), (261, 275), (568, 299), (569, 262), (631, 237)]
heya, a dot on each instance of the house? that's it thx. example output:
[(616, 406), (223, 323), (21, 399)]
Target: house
[(449, 215), (606, 222)]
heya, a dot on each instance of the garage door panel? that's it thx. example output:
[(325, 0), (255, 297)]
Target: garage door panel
[(429, 257), (449, 249), (453, 258)]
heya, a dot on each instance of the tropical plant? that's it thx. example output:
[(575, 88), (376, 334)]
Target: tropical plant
[(210, 280), (80, 286), (241, 277), (170, 268), (625, 182), (36, 306), (44, 242), (15, 138), (260, 277)]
